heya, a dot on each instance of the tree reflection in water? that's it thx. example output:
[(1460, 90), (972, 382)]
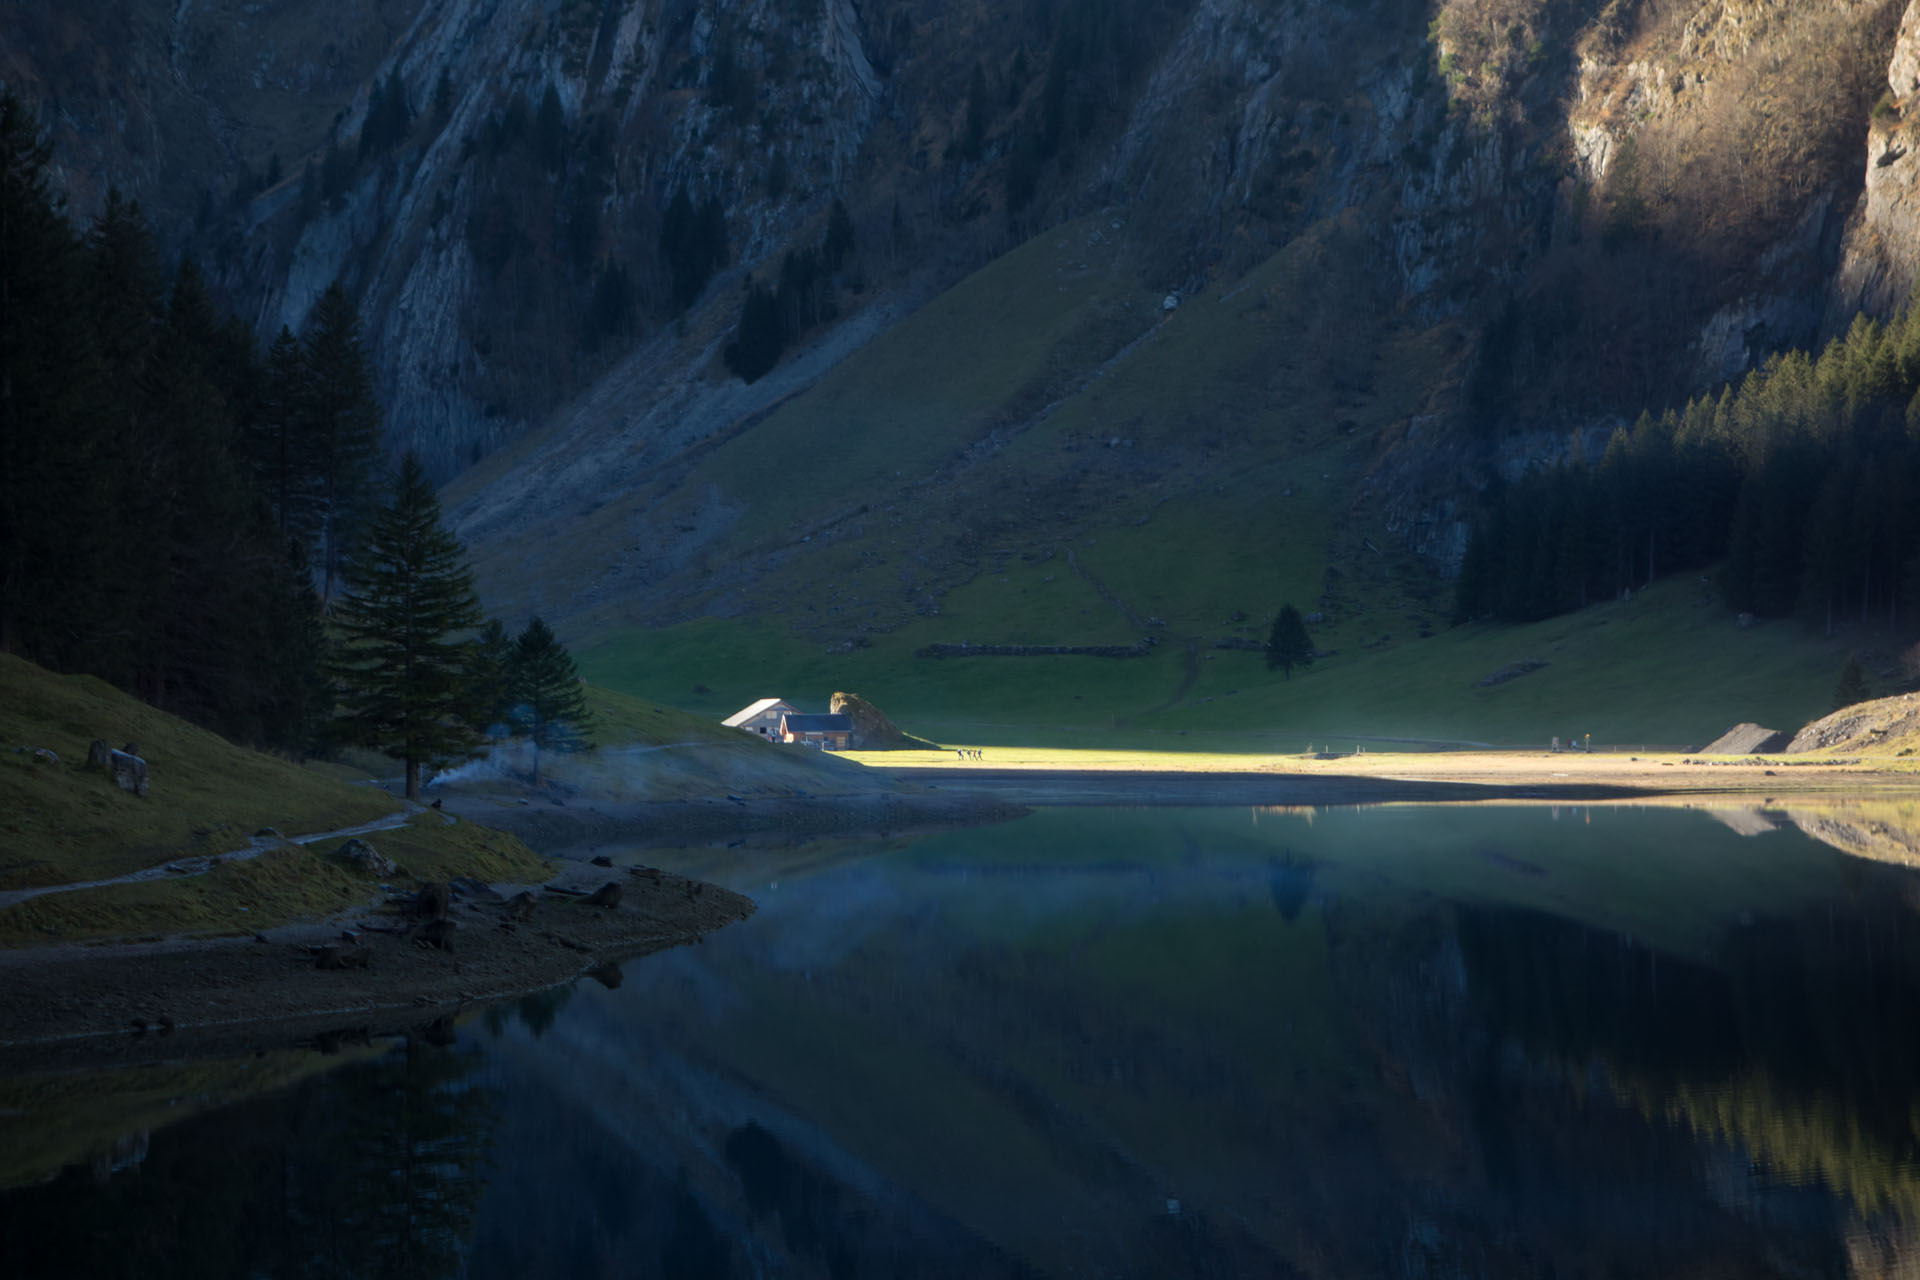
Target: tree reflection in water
[(1381, 1044), (374, 1170), (1796, 1041)]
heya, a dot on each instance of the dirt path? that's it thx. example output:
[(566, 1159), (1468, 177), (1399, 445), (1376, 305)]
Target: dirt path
[(199, 865)]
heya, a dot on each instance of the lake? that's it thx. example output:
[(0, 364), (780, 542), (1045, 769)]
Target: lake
[(1397, 1041)]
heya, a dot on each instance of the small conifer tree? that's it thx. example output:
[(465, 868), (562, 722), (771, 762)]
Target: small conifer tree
[(549, 706), (1288, 644), (402, 666), (490, 678)]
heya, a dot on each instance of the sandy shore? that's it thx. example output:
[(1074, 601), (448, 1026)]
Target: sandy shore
[(1411, 777), (74, 1006)]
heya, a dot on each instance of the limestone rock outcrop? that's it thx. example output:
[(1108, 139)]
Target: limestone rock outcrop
[(128, 772), (1882, 251)]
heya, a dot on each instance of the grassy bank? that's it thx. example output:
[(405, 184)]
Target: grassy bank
[(1667, 668), (61, 823)]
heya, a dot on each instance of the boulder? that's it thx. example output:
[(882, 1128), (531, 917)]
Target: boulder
[(129, 772), (361, 856), (872, 731), (607, 895), (1746, 740)]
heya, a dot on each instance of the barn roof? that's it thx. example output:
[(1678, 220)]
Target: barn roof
[(816, 724), (759, 708)]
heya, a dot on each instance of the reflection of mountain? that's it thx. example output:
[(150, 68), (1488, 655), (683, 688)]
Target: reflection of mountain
[(1200, 1048), (373, 1170), (1162, 1043), (1883, 830), (51, 1122)]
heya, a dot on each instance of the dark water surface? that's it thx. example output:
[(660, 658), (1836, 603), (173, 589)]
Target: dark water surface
[(1388, 1042)]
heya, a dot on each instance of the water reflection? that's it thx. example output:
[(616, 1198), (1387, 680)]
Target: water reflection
[(1387, 1042), (375, 1170)]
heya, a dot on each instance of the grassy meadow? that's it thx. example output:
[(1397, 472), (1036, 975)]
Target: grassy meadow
[(984, 488), (1666, 669)]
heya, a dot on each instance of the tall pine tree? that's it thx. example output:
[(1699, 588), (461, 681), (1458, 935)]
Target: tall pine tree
[(403, 662), (282, 449), (49, 415), (341, 425)]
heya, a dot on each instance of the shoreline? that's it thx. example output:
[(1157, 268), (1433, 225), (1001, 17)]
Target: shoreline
[(564, 830), (86, 1007), (1410, 778)]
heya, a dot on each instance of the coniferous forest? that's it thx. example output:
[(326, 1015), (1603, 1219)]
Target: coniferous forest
[(206, 523), (162, 493), (1793, 481)]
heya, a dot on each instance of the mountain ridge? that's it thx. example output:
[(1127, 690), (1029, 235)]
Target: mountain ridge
[(1545, 214)]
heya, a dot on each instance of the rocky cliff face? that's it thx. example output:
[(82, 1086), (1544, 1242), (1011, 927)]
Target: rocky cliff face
[(1882, 252), (1613, 202)]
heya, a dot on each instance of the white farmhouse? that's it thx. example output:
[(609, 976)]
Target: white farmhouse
[(762, 718)]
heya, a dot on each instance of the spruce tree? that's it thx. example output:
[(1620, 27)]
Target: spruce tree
[(341, 425), (295, 698), (283, 451), (549, 706), (489, 679), (1288, 644), (48, 406), (402, 666)]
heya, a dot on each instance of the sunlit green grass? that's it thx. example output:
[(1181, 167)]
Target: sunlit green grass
[(1666, 669)]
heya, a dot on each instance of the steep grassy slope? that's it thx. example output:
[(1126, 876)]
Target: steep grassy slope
[(1048, 411), (1206, 475), (60, 823), (981, 491)]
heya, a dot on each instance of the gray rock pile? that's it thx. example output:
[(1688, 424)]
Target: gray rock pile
[(1746, 740)]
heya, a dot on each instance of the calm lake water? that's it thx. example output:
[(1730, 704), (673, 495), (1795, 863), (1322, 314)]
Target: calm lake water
[(1385, 1042)]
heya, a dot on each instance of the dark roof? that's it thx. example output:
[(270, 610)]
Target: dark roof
[(816, 724)]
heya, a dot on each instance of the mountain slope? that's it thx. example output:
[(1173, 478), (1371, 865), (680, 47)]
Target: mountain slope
[(1413, 246)]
